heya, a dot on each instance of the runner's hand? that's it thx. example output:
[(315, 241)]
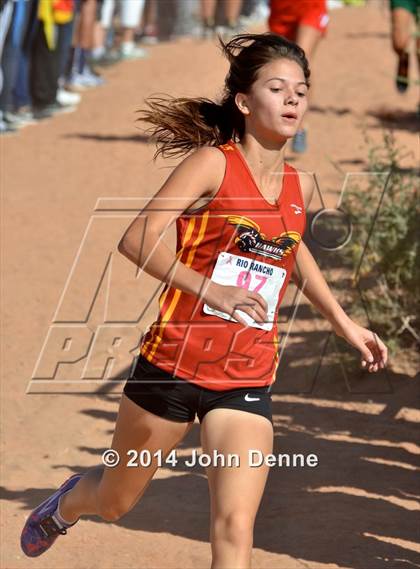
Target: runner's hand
[(230, 299), (373, 351)]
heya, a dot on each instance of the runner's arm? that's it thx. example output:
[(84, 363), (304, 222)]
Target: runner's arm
[(198, 175)]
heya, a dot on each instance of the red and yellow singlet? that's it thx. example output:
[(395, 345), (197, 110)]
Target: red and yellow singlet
[(238, 239)]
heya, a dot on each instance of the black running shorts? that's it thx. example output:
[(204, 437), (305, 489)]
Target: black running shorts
[(179, 400)]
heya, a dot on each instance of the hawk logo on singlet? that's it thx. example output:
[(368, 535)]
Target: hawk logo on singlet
[(250, 239)]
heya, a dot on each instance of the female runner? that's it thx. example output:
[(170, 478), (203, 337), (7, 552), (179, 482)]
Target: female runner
[(213, 350)]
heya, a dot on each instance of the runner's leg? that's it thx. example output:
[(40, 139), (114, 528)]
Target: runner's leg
[(402, 22), (308, 39), (111, 492), (235, 493)]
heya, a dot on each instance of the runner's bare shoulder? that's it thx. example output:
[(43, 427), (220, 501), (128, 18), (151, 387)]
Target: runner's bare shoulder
[(190, 186), (211, 163), (192, 183)]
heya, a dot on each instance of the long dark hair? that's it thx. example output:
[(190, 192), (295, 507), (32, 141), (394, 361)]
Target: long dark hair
[(182, 124)]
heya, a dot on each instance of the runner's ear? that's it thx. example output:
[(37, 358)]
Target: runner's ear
[(242, 104)]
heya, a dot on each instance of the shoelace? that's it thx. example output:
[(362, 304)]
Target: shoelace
[(50, 527)]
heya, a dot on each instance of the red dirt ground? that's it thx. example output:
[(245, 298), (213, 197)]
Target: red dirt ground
[(359, 507)]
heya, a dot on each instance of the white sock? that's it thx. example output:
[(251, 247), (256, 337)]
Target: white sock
[(64, 523), (98, 52), (127, 47)]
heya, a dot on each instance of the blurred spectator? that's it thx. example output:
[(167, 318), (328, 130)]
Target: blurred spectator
[(49, 47), (254, 12), (231, 11), (149, 33), (80, 75), (186, 18), (129, 16), (10, 58), (6, 11)]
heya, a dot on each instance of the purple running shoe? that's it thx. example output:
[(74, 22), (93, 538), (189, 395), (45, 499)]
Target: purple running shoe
[(42, 527)]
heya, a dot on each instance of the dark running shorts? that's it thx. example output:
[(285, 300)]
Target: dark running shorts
[(179, 400)]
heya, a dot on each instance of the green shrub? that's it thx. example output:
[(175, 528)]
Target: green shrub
[(387, 274)]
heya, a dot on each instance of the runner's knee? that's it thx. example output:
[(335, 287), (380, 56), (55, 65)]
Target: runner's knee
[(235, 528)]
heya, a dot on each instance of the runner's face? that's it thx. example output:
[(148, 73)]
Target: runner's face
[(277, 100)]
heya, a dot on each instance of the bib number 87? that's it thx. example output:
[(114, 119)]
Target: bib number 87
[(244, 280)]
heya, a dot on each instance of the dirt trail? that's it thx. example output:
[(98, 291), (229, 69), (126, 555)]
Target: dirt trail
[(358, 508)]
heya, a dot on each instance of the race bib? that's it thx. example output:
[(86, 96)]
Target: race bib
[(267, 280)]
